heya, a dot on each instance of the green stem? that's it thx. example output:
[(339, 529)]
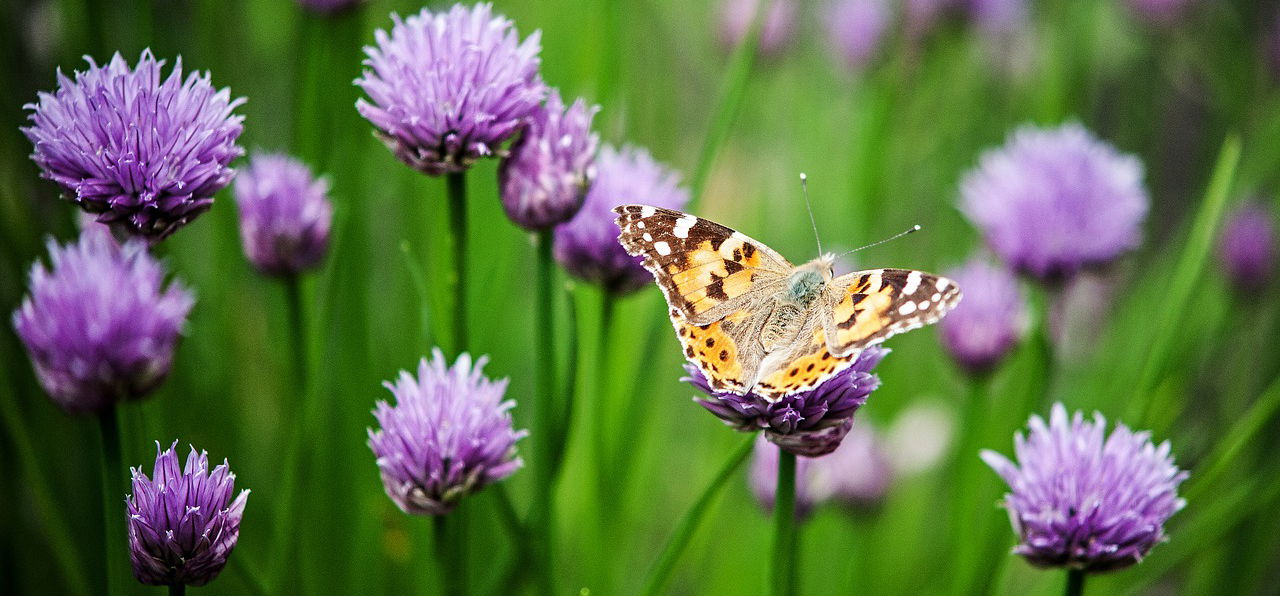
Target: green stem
[(54, 527), (1075, 582), (782, 574), (692, 518), (178, 590), (112, 510), (451, 556), (544, 379), (1187, 271), (732, 89), (605, 398), (457, 189), (285, 535)]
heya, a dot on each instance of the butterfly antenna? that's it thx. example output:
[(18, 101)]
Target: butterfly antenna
[(915, 228), (804, 186)]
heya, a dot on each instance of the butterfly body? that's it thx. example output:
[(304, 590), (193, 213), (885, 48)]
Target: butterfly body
[(754, 323)]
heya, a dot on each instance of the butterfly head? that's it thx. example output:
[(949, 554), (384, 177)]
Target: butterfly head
[(808, 280)]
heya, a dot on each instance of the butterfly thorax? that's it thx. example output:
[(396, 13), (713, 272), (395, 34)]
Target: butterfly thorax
[(803, 287)]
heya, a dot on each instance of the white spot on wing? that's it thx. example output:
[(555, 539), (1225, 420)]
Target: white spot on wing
[(683, 225), (943, 283), (648, 237), (662, 247), (913, 282), (907, 308), (640, 224), (647, 211)]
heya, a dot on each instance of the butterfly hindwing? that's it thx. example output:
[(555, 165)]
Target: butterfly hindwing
[(705, 270), (808, 364), (867, 307), (725, 351)]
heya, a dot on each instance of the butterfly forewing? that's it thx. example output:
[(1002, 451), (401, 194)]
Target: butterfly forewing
[(706, 270), (868, 307)]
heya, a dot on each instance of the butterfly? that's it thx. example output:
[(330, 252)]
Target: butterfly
[(754, 323)]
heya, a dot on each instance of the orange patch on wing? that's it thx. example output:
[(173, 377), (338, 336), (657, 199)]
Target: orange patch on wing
[(806, 371), (712, 350), (863, 311)]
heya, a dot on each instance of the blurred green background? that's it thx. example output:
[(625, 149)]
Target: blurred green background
[(884, 148)]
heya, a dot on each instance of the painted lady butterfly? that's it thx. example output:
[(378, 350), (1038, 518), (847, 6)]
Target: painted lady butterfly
[(754, 323)]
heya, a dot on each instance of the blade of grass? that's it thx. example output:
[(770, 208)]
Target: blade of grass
[(692, 518), (1189, 267), (1234, 441)]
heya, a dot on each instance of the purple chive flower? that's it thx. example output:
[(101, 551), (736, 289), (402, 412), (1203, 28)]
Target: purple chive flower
[(1247, 246), (284, 215), (143, 152), (777, 28), (1054, 200), (448, 435), (810, 423), (859, 470), (992, 319), (100, 326), (183, 522), (1083, 500), (327, 7), (545, 179), (1161, 13), (587, 245), (856, 29), (446, 89)]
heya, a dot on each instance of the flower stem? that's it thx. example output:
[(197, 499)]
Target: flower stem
[(285, 537), (457, 189), (111, 510), (605, 396), (177, 590), (450, 553), (692, 518), (1075, 582), (546, 409), (782, 574)]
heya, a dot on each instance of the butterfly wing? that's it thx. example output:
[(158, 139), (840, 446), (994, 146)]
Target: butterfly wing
[(806, 364), (706, 271), (727, 351), (868, 307)]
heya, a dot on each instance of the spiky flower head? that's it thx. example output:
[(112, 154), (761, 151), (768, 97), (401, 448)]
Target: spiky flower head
[(990, 321), (1247, 246), (809, 423), (183, 522), (143, 152), (100, 325), (448, 435), (446, 89), (1054, 200), (285, 215), (777, 23), (1084, 500), (587, 245), (856, 29), (857, 474), (545, 179)]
